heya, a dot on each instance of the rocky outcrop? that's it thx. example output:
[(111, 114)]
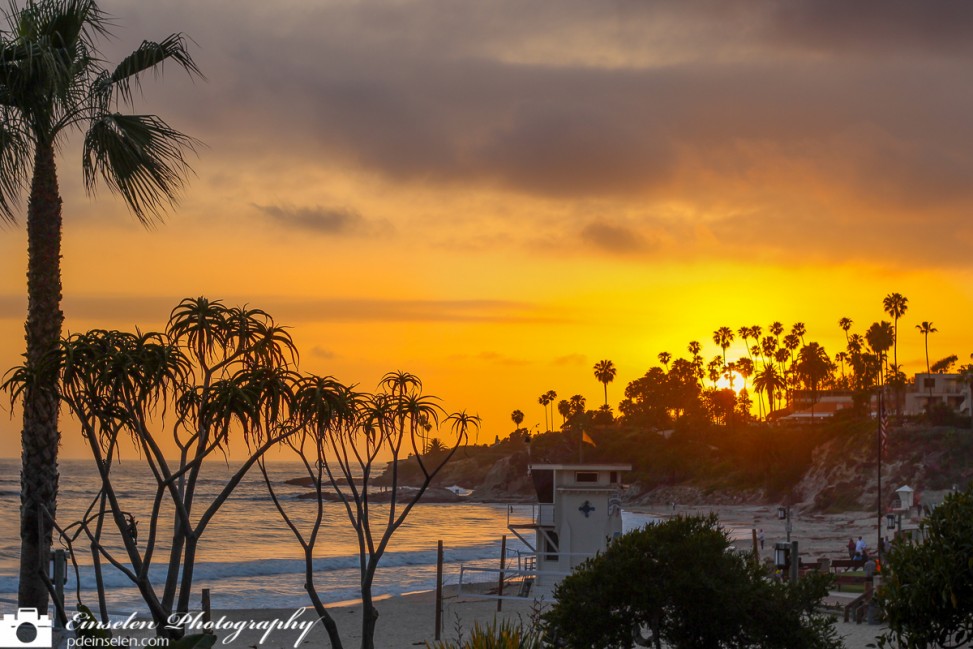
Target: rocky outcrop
[(506, 481)]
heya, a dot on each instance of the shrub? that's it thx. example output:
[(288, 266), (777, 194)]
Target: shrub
[(928, 595), (678, 583), (503, 635)]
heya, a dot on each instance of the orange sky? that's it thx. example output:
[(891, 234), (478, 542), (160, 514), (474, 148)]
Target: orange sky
[(497, 195)]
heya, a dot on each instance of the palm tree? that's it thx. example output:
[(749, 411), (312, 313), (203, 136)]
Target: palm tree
[(517, 417), (799, 330), (812, 366), (51, 83), (665, 358), (769, 381), (697, 361), (564, 408), (744, 333), (577, 405), (605, 372), (744, 367), (880, 336), (895, 305), (845, 324), (723, 337), (926, 328), (551, 397), (544, 400)]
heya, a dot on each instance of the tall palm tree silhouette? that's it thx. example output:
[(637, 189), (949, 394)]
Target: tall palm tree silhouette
[(895, 305), (551, 397), (845, 324), (926, 328), (605, 372), (544, 400), (723, 337), (51, 83)]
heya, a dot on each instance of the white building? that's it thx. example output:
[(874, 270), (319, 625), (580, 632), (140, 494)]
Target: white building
[(948, 390)]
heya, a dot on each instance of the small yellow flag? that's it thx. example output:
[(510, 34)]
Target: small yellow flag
[(586, 438)]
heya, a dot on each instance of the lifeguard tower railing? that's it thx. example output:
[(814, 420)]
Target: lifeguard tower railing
[(518, 576), (529, 518)]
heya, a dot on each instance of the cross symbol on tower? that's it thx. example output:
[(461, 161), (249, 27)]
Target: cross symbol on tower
[(586, 509)]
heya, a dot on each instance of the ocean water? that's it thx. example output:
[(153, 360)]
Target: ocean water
[(247, 557)]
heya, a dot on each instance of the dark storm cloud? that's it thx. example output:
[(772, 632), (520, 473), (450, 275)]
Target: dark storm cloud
[(854, 107), (871, 26)]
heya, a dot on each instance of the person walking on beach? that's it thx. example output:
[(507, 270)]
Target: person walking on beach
[(851, 548), (861, 548), (760, 537)]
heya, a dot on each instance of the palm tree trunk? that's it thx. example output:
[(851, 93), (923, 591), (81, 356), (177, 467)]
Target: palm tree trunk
[(40, 437), (606, 394)]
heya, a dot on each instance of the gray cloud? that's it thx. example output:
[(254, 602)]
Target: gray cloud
[(337, 221), (613, 238), (570, 359), (727, 108)]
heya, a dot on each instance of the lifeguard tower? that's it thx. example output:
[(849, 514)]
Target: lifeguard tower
[(578, 513)]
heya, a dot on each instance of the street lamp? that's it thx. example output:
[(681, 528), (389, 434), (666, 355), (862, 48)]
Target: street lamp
[(890, 521), (784, 514)]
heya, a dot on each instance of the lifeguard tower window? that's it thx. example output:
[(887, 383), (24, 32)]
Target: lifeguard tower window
[(586, 476)]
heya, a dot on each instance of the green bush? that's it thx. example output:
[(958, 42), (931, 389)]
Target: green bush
[(503, 635), (928, 592), (678, 583)]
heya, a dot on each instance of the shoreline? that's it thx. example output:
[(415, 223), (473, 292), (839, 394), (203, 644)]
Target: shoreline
[(407, 619)]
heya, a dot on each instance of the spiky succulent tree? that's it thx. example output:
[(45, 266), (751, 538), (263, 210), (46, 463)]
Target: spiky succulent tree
[(216, 374)]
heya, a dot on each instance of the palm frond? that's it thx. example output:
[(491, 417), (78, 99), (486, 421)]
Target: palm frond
[(149, 56), (140, 157), (15, 149)]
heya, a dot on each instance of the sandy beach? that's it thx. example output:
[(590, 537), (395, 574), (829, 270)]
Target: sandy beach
[(408, 620)]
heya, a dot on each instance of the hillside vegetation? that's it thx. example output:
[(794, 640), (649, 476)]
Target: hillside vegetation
[(828, 466)]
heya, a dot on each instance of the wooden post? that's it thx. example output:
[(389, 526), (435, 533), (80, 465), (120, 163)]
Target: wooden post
[(503, 558), (207, 612), (439, 590), (795, 562), (60, 578)]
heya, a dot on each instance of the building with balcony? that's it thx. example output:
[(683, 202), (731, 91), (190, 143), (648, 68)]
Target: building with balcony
[(929, 390)]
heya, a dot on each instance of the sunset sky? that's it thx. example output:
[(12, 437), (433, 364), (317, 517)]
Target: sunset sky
[(496, 195)]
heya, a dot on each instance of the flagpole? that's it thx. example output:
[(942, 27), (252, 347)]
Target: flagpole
[(881, 419)]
